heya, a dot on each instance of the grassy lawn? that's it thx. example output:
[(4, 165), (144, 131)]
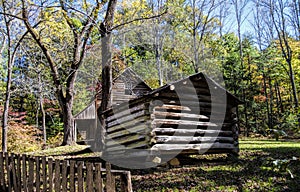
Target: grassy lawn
[(254, 171)]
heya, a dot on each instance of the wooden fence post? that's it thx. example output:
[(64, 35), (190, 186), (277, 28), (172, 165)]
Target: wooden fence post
[(18, 173), (50, 173), (24, 172), (30, 175), (57, 175), (37, 174), (64, 176), (80, 176), (8, 171), (110, 180), (126, 182), (2, 178), (72, 175), (89, 177), (44, 174), (13, 172), (98, 178)]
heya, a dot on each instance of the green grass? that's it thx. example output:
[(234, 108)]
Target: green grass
[(252, 171), (66, 151)]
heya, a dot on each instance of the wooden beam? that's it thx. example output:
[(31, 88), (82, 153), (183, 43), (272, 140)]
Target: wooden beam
[(196, 147), (116, 113), (126, 119), (157, 122), (125, 140), (189, 132), (139, 129), (141, 121), (190, 139), (156, 114)]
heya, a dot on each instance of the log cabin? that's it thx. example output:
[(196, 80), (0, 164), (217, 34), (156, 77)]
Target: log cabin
[(127, 86), (191, 116)]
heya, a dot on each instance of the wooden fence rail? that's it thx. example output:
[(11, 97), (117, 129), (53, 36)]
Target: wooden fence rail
[(40, 174)]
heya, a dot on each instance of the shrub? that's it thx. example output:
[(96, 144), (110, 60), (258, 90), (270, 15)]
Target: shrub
[(22, 138)]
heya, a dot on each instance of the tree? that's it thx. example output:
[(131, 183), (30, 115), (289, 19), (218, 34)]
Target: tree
[(279, 20), (11, 42), (63, 70)]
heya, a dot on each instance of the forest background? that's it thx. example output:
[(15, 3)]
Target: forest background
[(254, 46)]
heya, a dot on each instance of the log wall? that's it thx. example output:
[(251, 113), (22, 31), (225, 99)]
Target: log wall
[(180, 118)]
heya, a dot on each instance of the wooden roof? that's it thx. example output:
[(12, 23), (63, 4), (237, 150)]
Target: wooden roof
[(199, 78)]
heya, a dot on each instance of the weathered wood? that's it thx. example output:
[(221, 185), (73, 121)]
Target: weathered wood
[(196, 147), (157, 122), (191, 97), (2, 178), (125, 140), (116, 113), (176, 108), (89, 176), (13, 172), (139, 129), (190, 132), (72, 175), (202, 90), (80, 176), (44, 173), (37, 174), (184, 95), (128, 121), (110, 183), (195, 104), (50, 173), (160, 114), (30, 174), (127, 105), (126, 185), (98, 178), (18, 173), (8, 170), (190, 139), (64, 175), (24, 173), (88, 113), (172, 107), (57, 183), (138, 144)]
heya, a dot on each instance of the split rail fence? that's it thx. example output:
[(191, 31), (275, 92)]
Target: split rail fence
[(27, 173)]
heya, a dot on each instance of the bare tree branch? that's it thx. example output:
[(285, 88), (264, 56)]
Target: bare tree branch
[(138, 19)]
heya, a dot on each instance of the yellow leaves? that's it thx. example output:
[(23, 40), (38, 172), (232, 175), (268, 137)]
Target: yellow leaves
[(23, 138), (132, 9)]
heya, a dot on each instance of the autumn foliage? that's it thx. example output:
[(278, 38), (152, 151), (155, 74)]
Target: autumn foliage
[(23, 138)]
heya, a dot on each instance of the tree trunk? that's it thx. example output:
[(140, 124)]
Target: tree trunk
[(106, 87), (10, 62), (69, 131), (292, 79), (43, 120), (267, 98), (271, 104), (6, 104), (106, 42), (5, 113), (158, 63)]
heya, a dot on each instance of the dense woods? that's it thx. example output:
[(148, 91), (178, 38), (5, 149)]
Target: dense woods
[(52, 54)]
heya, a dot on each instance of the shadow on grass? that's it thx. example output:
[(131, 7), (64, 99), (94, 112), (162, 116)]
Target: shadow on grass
[(249, 173)]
